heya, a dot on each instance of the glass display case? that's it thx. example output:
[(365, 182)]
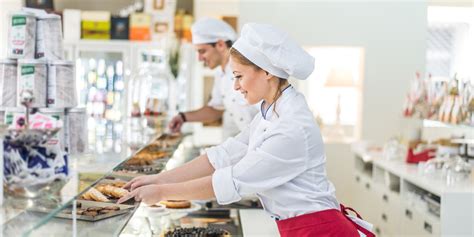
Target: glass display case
[(53, 213)]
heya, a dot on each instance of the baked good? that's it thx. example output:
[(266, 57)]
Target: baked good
[(197, 232), (139, 162), (90, 213), (118, 183), (94, 209), (112, 191), (112, 208), (94, 195), (176, 204)]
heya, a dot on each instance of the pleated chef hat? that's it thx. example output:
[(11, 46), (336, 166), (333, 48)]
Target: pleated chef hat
[(272, 50), (210, 30)]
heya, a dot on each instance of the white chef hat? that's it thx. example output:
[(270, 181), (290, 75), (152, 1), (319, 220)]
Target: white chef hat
[(210, 30), (272, 50)]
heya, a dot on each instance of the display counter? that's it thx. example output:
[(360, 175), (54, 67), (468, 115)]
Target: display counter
[(62, 213)]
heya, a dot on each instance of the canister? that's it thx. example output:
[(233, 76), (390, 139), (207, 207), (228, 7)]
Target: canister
[(21, 35), (49, 37), (32, 77), (61, 84), (8, 82), (76, 130)]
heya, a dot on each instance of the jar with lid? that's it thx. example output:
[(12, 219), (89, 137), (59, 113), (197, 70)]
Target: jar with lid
[(150, 86)]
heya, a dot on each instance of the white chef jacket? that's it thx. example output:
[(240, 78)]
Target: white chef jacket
[(281, 159), (237, 112)]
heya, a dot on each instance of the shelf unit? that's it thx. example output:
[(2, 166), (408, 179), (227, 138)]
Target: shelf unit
[(393, 196)]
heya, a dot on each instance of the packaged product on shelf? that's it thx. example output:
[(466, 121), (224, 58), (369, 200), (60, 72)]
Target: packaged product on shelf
[(159, 6), (95, 24), (42, 118), (49, 37), (8, 82), (7, 114), (416, 103), (72, 24), (162, 24), (21, 35), (61, 84), (32, 77), (76, 130), (120, 28), (58, 115), (140, 26), (186, 30)]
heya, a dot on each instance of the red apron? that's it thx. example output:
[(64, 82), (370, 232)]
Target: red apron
[(326, 223)]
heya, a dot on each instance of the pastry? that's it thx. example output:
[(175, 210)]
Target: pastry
[(94, 195), (119, 183), (94, 209), (104, 211), (113, 208), (176, 204), (138, 162), (112, 191), (90, 213)]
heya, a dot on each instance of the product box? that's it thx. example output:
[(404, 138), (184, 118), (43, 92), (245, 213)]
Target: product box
[(72, 24), (140, 24), (159, 6), (120, 28), (162, 24), (95, 24)]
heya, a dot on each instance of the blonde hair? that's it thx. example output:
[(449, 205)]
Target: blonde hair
[(237, 56)]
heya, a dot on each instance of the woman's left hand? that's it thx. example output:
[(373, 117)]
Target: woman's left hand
[(149, 194)]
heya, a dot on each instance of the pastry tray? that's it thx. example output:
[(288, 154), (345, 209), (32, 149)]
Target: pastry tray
[(65, 214)]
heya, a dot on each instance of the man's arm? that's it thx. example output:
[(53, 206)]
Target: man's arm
[(204, 114)]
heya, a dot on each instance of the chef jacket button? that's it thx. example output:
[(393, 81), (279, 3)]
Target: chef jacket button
[(231, 114), (241, 119), (233, 100)]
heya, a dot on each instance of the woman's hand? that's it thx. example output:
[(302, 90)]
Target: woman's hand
[(141, 181), (149, 194)]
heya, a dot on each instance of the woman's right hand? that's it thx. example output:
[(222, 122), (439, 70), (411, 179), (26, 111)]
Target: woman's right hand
[(141, 181)]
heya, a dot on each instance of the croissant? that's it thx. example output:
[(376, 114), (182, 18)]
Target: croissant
[(95, 195)]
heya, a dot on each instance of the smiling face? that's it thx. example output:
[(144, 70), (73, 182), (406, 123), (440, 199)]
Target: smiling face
[(212, 55), (253, 82)]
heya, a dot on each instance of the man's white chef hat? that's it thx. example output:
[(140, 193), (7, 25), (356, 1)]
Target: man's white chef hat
[(273, 51), (210, 30)]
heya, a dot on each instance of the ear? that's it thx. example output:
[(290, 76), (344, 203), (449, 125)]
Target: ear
[(268, 75), (220, 45)]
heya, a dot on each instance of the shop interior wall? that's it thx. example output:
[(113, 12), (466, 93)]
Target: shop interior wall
[(393, 34)]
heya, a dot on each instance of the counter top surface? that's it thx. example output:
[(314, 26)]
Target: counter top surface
[(257, 223), (435, 182)]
